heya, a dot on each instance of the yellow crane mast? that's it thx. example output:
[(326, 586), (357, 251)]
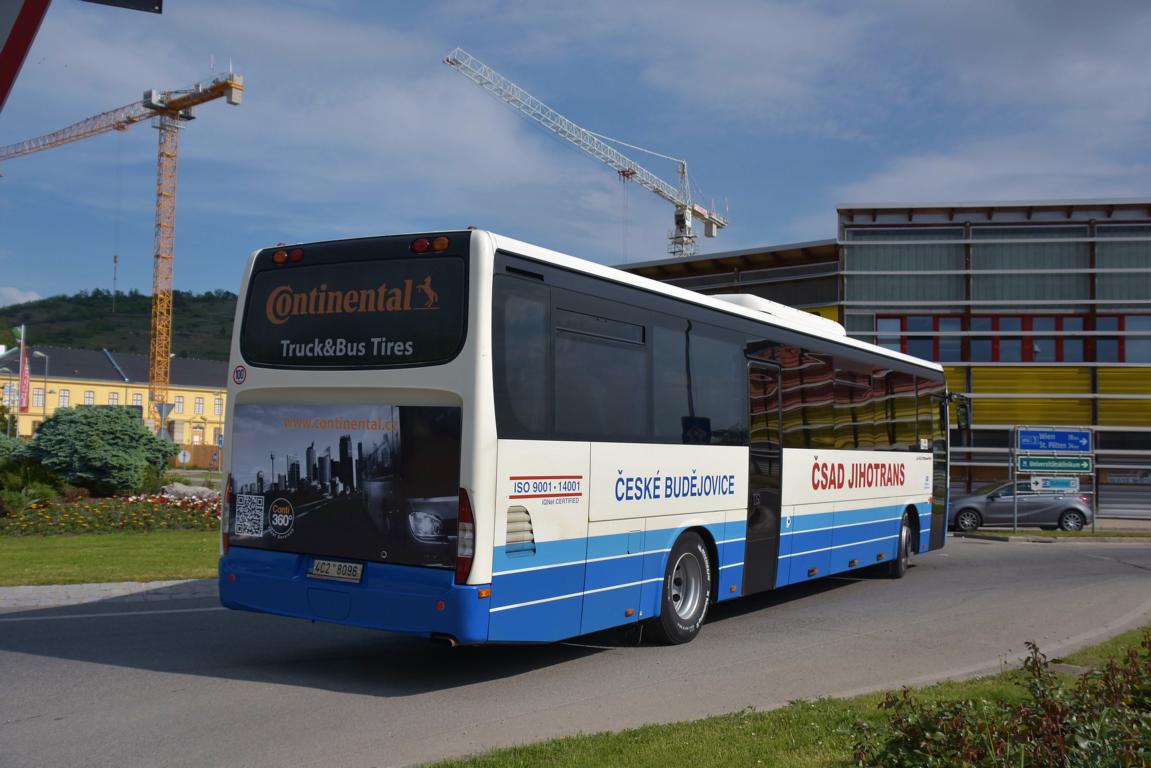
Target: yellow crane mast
[(170, 109)]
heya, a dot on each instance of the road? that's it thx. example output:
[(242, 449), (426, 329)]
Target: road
[(184, 683)]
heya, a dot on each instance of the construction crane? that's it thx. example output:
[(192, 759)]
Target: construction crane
[(682, 237), (170, 109)]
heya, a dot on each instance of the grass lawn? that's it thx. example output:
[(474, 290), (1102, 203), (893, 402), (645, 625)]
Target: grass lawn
[(806, 734), (1113, 649), (85, 558)]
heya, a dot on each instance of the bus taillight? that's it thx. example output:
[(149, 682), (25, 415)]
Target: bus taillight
[(227, 501), (465, 539)]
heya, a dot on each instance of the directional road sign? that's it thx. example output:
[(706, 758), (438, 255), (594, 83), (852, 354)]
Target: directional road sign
[(1054, 440), (1078, 465), (1070, 484)]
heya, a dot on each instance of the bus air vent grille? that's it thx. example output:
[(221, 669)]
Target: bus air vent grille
[(521, 539)]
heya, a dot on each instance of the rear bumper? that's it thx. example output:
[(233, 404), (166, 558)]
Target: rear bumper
[(396, 598)]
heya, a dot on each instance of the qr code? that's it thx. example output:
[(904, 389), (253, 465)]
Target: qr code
[(249, 515)]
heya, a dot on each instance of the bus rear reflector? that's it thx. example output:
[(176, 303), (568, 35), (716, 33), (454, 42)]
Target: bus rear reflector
[(465, 539)]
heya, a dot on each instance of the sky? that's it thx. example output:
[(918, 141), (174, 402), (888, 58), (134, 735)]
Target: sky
[(352, 126)]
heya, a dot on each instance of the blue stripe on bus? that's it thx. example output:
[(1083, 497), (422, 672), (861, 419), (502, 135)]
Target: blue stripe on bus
[(528, 586), (731, 554), (542, 622), (597, 579), (546, 553), (808, 522), (594, 582), (567, 551)]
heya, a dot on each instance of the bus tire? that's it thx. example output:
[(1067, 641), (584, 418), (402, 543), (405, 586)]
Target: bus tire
[(897, 568), (686, 591)]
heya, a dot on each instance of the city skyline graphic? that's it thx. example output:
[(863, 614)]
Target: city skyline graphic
[(325, 460)]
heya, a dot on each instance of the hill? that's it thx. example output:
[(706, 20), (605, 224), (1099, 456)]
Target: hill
[(201, 323)]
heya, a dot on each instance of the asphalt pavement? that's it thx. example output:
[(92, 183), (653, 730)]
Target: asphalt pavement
[(160, 675)]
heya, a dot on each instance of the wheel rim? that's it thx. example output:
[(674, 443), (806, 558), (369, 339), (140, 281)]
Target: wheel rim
[(1073, 521), (968, 521), (905, 543), (686, 588)]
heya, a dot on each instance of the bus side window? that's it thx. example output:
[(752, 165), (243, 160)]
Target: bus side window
[(601, 378), (717, 379), (929, 394), (520, 340), (670, 395)]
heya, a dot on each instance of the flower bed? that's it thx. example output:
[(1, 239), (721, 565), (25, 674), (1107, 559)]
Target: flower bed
[(126, 513)]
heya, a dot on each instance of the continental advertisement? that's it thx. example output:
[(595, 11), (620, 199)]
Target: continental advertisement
[(361, 314), (377, 483)]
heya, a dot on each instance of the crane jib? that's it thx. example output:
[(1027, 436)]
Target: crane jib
[(685, 210)]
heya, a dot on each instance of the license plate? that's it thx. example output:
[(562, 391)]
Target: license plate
[(336, 570)]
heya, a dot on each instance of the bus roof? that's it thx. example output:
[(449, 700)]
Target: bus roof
[(818, 327)]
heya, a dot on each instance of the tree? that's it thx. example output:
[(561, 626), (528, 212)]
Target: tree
[(8, 445), (106, 450), (7, 424)]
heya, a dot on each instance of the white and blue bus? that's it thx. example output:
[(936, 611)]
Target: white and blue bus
[(467, 437)]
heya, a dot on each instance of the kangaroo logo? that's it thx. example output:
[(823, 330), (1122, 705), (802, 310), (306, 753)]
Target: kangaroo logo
[(431, 298)]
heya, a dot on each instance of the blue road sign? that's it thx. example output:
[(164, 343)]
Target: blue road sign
[(220, 442), (1055, 484), (1054, 440)]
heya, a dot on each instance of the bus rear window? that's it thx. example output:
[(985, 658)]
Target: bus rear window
[(382, 313)]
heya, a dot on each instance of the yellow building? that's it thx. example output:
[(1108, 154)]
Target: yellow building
[(60, 377)]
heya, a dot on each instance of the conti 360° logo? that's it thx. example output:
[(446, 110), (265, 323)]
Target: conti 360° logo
[(285, 303)]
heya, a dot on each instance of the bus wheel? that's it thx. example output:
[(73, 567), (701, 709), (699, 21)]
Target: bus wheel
[(898, 567), (686, 591)]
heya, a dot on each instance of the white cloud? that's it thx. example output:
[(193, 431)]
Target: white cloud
[(774, 65), (348, 127), (351, 125), (1082, 68), (9, 295), (1015, 168)]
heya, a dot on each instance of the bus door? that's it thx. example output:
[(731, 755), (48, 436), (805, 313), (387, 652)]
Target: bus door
[(761, 556), (940, 480)]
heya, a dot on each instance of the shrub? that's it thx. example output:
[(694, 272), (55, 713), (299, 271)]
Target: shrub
[(74, 492), (106, 450), (36, 491), (8, 446), (11, 502), (1103, 719)]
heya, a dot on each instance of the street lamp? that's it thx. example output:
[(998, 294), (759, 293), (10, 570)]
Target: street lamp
[(46, 356)]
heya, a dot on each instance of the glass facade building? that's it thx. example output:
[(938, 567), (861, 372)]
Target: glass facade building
[(1039, 311)]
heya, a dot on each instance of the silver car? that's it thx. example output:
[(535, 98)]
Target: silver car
[(995, 505)]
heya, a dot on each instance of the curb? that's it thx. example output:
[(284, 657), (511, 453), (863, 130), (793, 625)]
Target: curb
[(59, 595), (1054, 539)]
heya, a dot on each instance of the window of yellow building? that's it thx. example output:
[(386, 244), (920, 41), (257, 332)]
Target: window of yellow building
[(65, 398), (89, 397), (179, 403), (199, 407), (113, 398)]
